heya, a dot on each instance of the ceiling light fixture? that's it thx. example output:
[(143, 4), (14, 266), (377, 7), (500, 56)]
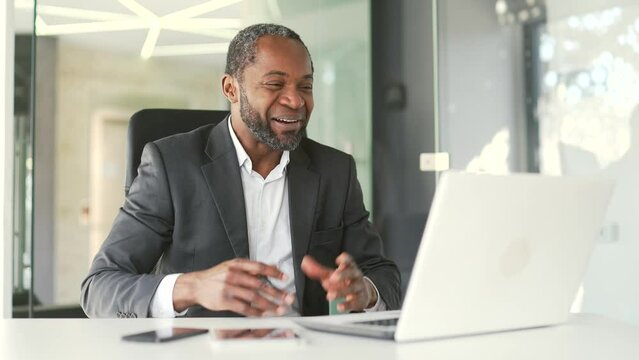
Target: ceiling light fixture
[(89, 27), (150, 42)]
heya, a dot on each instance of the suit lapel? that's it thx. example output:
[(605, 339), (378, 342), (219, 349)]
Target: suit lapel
[(224, 180), (303, 187)]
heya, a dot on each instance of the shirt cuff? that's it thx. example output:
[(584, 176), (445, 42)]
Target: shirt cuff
[(380, 305), (162, 301)]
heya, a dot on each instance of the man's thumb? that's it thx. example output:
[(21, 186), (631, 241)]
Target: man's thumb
[(315, 270)]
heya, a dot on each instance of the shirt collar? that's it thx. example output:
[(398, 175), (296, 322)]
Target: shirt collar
[(244, 160)]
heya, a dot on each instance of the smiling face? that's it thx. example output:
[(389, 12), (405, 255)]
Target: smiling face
[(276, 93)]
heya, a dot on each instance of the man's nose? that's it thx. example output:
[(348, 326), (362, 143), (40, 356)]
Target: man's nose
[(292, 99)]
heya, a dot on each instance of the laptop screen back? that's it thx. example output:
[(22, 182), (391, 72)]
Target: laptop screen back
[(501, 252)]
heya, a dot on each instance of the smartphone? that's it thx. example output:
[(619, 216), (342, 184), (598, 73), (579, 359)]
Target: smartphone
[(251, 338), (164, 335)]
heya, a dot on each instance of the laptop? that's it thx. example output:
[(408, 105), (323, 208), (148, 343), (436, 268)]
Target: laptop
[(497, 253)]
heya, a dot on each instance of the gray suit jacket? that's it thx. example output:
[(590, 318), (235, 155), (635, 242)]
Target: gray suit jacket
[(185, 212)]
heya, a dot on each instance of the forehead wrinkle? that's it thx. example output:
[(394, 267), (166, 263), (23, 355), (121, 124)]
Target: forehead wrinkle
[(275, 72)]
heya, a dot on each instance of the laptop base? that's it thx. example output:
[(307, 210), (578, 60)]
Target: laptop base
[(353, 328)]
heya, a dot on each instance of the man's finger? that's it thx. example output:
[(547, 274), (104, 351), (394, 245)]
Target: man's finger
[(341, 279), (315, 270), (280, 295), (249, 281), (243, 308), (344, 259), (340, 269), (355, 304), (257, 268), (244, 279), (357, 289), (345, 276), (254, 299), (357, 300)]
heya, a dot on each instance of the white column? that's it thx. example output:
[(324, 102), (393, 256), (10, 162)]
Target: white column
[(6, 154)]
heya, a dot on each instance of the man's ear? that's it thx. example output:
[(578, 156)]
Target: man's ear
[(230, 89)]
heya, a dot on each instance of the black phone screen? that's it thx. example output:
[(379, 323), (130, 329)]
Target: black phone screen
[(163, 335)]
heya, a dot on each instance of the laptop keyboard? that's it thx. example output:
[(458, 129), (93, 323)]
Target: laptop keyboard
[(385, 322)]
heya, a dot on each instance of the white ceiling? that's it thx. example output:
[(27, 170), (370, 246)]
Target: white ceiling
[(147, 27), (347, 22)]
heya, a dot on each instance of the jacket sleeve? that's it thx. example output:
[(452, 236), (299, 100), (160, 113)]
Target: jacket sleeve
[(120, 282), (365, 245)]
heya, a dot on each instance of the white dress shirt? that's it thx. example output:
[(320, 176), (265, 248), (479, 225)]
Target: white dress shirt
[(268, 225)]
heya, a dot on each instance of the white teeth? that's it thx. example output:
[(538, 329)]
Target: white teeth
[(287, 120)]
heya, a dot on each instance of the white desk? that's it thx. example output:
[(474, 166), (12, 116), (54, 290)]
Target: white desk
[(584, 337)]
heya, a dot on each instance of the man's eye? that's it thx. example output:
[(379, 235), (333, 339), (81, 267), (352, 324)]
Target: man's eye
[(307, 87), (274, 85)]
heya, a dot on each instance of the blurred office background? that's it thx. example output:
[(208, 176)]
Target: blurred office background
[(497, 86)]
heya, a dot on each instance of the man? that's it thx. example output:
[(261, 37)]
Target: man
[(247, 217)]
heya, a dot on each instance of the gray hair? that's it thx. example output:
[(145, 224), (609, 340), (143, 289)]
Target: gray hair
[(243, 47)]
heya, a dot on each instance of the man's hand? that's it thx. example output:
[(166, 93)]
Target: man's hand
[(346, 281), (236, 285)]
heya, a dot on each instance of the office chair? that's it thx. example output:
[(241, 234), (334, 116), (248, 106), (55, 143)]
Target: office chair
[(152, 124)]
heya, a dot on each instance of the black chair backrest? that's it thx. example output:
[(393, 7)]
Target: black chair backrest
[(153, 124)]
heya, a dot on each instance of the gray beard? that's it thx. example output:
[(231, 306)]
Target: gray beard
[(263, 132)]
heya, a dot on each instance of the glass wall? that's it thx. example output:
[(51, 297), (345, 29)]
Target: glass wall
[(552, 87), (24, 111), (482, 88), (99, 62), (588, 110)]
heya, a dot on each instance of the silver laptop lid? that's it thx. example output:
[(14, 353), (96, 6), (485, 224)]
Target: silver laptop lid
[(501, 252)]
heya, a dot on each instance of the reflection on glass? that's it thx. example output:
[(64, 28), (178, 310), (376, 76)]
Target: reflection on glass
[(589, 123), (580, 97), (493, 158), (511, 11), (267, 333), (591, 90)]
